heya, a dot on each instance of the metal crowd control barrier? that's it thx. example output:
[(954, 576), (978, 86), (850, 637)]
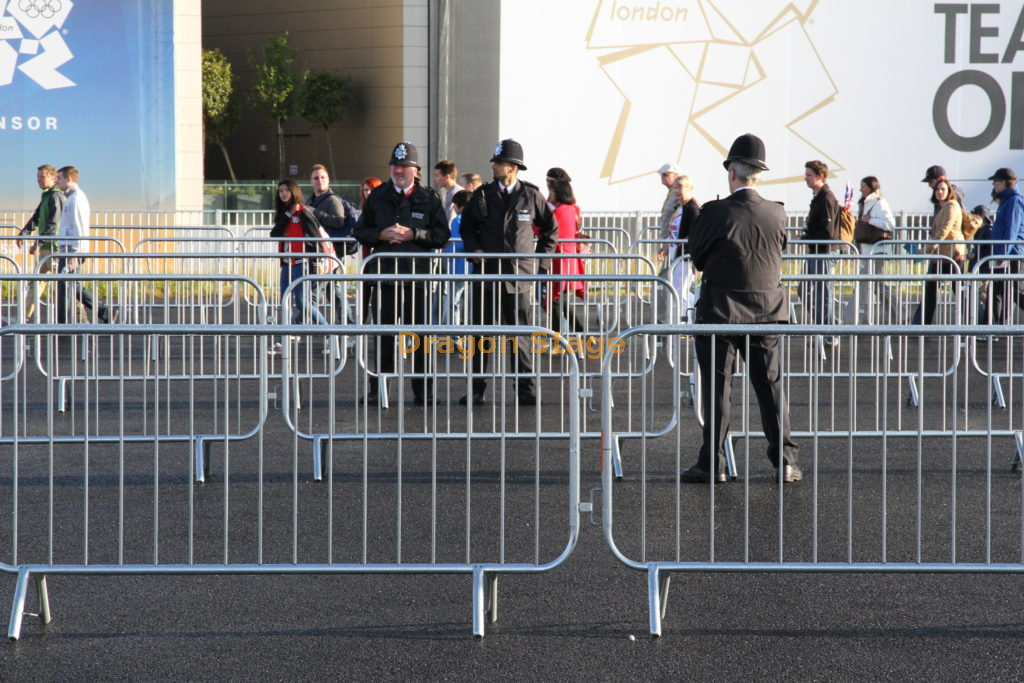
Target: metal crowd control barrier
[(75, 365), (998, 300), (882, 491), (396, 500), (589, 334)]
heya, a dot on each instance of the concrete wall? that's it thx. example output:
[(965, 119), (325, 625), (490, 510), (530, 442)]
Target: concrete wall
[(414, 78), (361, 38), (188, 106)]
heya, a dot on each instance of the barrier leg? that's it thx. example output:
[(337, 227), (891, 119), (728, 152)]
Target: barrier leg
[(44, 599), (654, 599), (492, 598), (202, 463), (479, 603), (913, 398), (18, 608), (997, 392), (616, 458), (62, 395), (730, 457), (318, 458), (1018, 439)]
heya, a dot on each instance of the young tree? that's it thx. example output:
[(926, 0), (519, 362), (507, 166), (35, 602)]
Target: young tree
[(220, 106), (326, 97), (277, 87)]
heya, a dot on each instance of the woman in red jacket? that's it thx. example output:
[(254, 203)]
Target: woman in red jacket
[(295, 221), (567, 213)]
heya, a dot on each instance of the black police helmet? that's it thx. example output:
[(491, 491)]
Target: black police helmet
[(509, 151), (404, 154)]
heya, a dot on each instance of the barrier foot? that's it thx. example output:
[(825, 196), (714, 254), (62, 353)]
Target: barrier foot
[(997, 393), (616, 458), (62, 395), (382, 390), (18, 608), (1018, 438), (479, 602), (44, 599), (654, 600), (492, 598)]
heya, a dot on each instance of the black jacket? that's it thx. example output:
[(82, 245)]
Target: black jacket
[(310, 228), (494, 224), (737, 242), (823, 219), (691, 210), (335, 214), (421, 211)]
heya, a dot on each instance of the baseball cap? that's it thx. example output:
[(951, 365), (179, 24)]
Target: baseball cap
[(934, 172), (1005, 174), (670, 167)]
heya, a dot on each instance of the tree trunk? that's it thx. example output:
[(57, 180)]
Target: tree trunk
[(227, 160), (280, 149), (330, 151)]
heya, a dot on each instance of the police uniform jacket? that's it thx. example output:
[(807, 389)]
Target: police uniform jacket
[(737, 242), (421, 211), (494, 224)]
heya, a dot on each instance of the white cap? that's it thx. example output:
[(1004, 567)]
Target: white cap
[(670, 167)]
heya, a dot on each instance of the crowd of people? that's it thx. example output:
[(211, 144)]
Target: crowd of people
[(736, 243)]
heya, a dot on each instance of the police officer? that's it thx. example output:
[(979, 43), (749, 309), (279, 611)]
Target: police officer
[(400, 217), (737, 243), (500, 218)]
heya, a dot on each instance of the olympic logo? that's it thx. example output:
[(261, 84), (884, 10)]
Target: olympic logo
[(39, 8)]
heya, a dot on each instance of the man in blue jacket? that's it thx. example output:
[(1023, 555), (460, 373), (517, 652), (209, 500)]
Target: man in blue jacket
[(1009, 225)]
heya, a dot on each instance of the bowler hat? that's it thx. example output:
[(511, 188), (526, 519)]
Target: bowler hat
[(510, 152), (1004, 174), (749, 149), (404, 154)]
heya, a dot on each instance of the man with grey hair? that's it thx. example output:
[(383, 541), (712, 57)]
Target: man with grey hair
[(737, 242), (668, 172)]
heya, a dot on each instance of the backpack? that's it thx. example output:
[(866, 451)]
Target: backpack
[(847, 223), (971, 223)]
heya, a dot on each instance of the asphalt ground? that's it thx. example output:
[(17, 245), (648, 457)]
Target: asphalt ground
[(585, 619)]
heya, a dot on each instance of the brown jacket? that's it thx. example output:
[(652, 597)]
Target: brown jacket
[(946, 226)]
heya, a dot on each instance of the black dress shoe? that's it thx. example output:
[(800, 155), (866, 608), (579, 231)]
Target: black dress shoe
[(420, 399), (527, 399), (477, 398), (699, 475), (372, 397)]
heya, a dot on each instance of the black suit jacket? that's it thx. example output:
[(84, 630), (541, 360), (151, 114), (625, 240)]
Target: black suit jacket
[(496, 225), (737, 242)]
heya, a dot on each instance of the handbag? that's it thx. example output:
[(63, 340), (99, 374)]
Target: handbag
[(866, 233)]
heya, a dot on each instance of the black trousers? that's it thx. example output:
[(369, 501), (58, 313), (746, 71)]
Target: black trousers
[(931, 293), (401, 303), (716, 388), (1004, 294), (492, 304)]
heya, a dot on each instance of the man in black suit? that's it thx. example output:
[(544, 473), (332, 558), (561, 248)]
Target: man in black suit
[(500, 218), (737, 242)]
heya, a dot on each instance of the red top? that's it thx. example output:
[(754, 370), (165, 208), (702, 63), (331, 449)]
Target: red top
[(568, 217), (294, 230)]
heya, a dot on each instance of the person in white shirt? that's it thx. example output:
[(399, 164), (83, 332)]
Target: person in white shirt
[(74, 224), (445, 174)]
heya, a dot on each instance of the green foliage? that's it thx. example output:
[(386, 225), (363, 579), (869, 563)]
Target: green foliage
[(221, 114), (277, 85), (326, 97), (218, 86)]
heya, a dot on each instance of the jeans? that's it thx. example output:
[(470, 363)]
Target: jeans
[(290, 273), (818, 295)]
